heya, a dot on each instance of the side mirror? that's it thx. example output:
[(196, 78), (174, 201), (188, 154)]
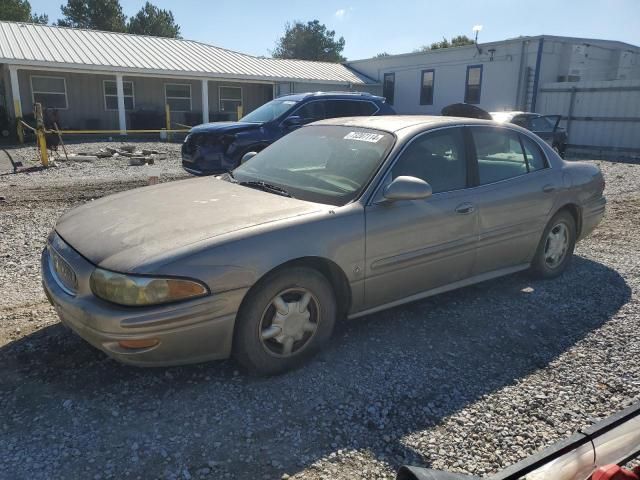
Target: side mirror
[(293, 121), (407, 188), (248, 156)]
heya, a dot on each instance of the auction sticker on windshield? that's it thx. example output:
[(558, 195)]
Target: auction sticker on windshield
[(363, 137)]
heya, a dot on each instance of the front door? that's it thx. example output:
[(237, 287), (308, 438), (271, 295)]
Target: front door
[(416, 245), (514, 197)]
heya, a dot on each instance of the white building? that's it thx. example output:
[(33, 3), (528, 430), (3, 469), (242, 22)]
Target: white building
[(594, 84)]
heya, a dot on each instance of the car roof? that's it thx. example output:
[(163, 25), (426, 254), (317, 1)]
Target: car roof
[(355, 95), (511, 114), (394, 123)]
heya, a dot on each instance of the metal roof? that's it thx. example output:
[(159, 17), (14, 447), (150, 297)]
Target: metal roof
[(36, 45)]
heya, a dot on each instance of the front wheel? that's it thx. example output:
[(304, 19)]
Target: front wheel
[(556, 246), (287, 318)]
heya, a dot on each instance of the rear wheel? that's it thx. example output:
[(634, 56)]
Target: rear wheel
[(556, 246), (287, 318)]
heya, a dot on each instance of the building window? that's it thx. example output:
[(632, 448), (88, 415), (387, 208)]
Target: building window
[(178, 96), (230, 98), (388, 87), (111, 95), (426, 87), (474, 84), (50, 92)]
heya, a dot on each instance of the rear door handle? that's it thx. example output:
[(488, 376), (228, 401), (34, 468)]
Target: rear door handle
[(548, 188), (465, 208)]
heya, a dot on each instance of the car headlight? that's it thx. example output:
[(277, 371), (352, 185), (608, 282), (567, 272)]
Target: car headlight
[(137, 291)]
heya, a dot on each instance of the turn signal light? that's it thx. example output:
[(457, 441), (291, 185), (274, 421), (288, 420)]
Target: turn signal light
[(140, 343)]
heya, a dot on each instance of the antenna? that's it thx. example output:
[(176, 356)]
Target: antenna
[(477, 29)]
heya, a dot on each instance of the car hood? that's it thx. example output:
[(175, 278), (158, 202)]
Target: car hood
[(225, 127), (123, 231)]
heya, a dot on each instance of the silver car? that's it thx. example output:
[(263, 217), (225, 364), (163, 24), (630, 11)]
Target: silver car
[(339, 219)]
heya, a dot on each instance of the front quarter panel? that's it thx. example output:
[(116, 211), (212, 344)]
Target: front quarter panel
[(241, 259)]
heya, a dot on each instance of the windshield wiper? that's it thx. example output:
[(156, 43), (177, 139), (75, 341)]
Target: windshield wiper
[(267, 187)]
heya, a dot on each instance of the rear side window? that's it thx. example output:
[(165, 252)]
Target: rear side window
[(541, 124), (438, 158), (535, 157), (500, 155)]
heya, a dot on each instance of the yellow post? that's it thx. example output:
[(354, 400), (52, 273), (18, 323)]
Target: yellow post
[(167, 112), (239, 112), (42, 142), (18, 111)]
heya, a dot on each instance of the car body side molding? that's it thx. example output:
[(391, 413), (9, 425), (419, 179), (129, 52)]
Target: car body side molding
[(444, 288)]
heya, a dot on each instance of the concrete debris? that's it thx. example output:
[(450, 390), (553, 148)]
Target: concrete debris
[(136, 156), (83, 157)]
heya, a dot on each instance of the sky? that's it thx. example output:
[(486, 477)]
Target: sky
[(399, 26)]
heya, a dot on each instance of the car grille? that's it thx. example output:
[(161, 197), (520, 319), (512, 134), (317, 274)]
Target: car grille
[(62, 272)]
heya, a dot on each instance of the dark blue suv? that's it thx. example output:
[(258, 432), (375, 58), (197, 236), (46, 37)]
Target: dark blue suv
[(218, 147)]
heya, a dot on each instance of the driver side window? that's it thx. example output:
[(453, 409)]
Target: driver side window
[(438, 158)]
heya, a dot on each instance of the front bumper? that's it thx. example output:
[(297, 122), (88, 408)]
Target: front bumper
[(207, 163), (187, 332)]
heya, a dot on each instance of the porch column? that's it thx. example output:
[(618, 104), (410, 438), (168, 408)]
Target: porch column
[(205, 100), (15, 90), (122, 116), (17, 103)]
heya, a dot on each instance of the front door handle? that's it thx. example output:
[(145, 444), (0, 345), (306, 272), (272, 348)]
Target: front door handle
[(548, 188), (465, 208)]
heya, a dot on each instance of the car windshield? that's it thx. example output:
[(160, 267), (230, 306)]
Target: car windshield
[(324, 163), (268, 111)]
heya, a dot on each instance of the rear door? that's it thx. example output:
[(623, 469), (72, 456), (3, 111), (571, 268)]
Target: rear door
[(416, 245), (514, 195)]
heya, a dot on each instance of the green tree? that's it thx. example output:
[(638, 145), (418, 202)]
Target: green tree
[(310, 41), (20, 11), (95, 14), (151, 20), (459, 41)]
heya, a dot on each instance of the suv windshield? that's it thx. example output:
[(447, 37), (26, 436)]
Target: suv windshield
[(268, 111), (324, 164)]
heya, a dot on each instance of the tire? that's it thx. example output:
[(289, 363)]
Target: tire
[(266, 328), (548, 262)]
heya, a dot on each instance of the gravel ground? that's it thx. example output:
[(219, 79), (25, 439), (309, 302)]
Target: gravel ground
[(469, 381)]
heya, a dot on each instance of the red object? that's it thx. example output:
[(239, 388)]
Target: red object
[(614, 472)]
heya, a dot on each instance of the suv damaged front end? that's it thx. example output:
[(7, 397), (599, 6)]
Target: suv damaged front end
[(205, 153)]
